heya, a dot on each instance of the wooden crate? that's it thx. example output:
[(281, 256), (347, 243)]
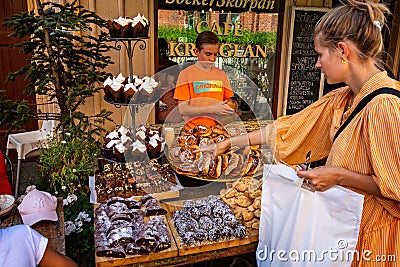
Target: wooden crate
[(206, 247)]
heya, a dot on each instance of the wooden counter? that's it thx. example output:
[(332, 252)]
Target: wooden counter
[(179, 254)]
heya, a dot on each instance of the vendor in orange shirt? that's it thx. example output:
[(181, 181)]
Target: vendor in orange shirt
[(203, 90)]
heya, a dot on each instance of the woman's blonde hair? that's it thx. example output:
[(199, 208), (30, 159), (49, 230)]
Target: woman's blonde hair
[(360, 22)]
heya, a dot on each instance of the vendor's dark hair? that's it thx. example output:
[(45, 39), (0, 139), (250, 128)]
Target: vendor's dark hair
[(360, 22), (206, 37)]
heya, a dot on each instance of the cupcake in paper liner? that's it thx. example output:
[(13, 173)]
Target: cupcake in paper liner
[(117, 91), (108, 91), (140, 26), (147, 89), (146, 26), (129, 91), (114, 28)]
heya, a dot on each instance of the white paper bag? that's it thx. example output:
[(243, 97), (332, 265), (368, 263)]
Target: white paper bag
[(303, 228)]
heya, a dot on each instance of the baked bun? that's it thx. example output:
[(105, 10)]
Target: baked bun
[(215, 168), (225, 162), (205, 141), (207, 159), (232, 164), (190, 154), (187, 139), (201, 130), (252, 165), (219, 129), (189, 169), (238, 170), (174, 153)]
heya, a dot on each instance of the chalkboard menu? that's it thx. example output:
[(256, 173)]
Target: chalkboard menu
[(303, 85)]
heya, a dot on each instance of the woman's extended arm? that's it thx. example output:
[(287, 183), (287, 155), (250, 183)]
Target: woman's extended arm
[(323, 178), (256, 137)]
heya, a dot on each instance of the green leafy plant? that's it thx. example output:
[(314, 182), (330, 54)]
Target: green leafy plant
[(65, 165), (66, 65)]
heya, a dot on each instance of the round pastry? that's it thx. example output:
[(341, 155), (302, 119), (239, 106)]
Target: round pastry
[(205, 223), (214, 234), (215, 168), (174, 154), (240, 231), (202, 130), (219, 129), (194, 212), (201, 235), (190, 154), (187, 140), (224, 162), (188, 238), (227, 231), (192, 225), (252, 165), (232, 163), (207, 159), (230, 220), (219, 138), (187, 169), (205, 141), (220, 211), (205, 210)]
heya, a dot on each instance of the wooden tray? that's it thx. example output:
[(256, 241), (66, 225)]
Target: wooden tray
[(188, 250), (133, 259)]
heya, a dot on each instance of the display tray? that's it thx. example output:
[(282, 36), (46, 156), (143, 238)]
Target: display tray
[(128, 38), (136, 259), (221, 179), (205, 247), (129, 104)]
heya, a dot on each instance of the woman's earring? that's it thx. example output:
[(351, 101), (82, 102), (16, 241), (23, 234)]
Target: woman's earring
[(344, 61)]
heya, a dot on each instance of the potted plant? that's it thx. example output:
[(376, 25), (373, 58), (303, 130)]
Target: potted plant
[(66, 64)]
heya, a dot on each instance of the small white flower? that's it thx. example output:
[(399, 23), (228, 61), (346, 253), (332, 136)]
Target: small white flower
[(65, 202), (63, 142), (72, 197), (68, 134), (69, 227), (73, 170), (63, 187), (56, 192), (78, 223)]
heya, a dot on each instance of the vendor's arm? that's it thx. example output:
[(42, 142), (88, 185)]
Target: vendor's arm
[(218, 108)]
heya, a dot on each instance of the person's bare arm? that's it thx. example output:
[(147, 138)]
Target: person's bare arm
[(52, 258), (256, 137), (323, 178), (219, 108)]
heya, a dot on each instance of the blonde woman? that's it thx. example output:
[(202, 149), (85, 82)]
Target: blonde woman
[(364, 155)]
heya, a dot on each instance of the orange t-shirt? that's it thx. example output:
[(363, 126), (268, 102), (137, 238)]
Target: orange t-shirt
[(202, 88)]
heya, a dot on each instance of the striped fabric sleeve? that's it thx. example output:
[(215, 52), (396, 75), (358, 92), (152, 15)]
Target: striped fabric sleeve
[(383, 134)]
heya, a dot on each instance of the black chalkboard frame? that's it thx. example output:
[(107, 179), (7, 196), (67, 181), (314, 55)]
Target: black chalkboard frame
[(287, 109)]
